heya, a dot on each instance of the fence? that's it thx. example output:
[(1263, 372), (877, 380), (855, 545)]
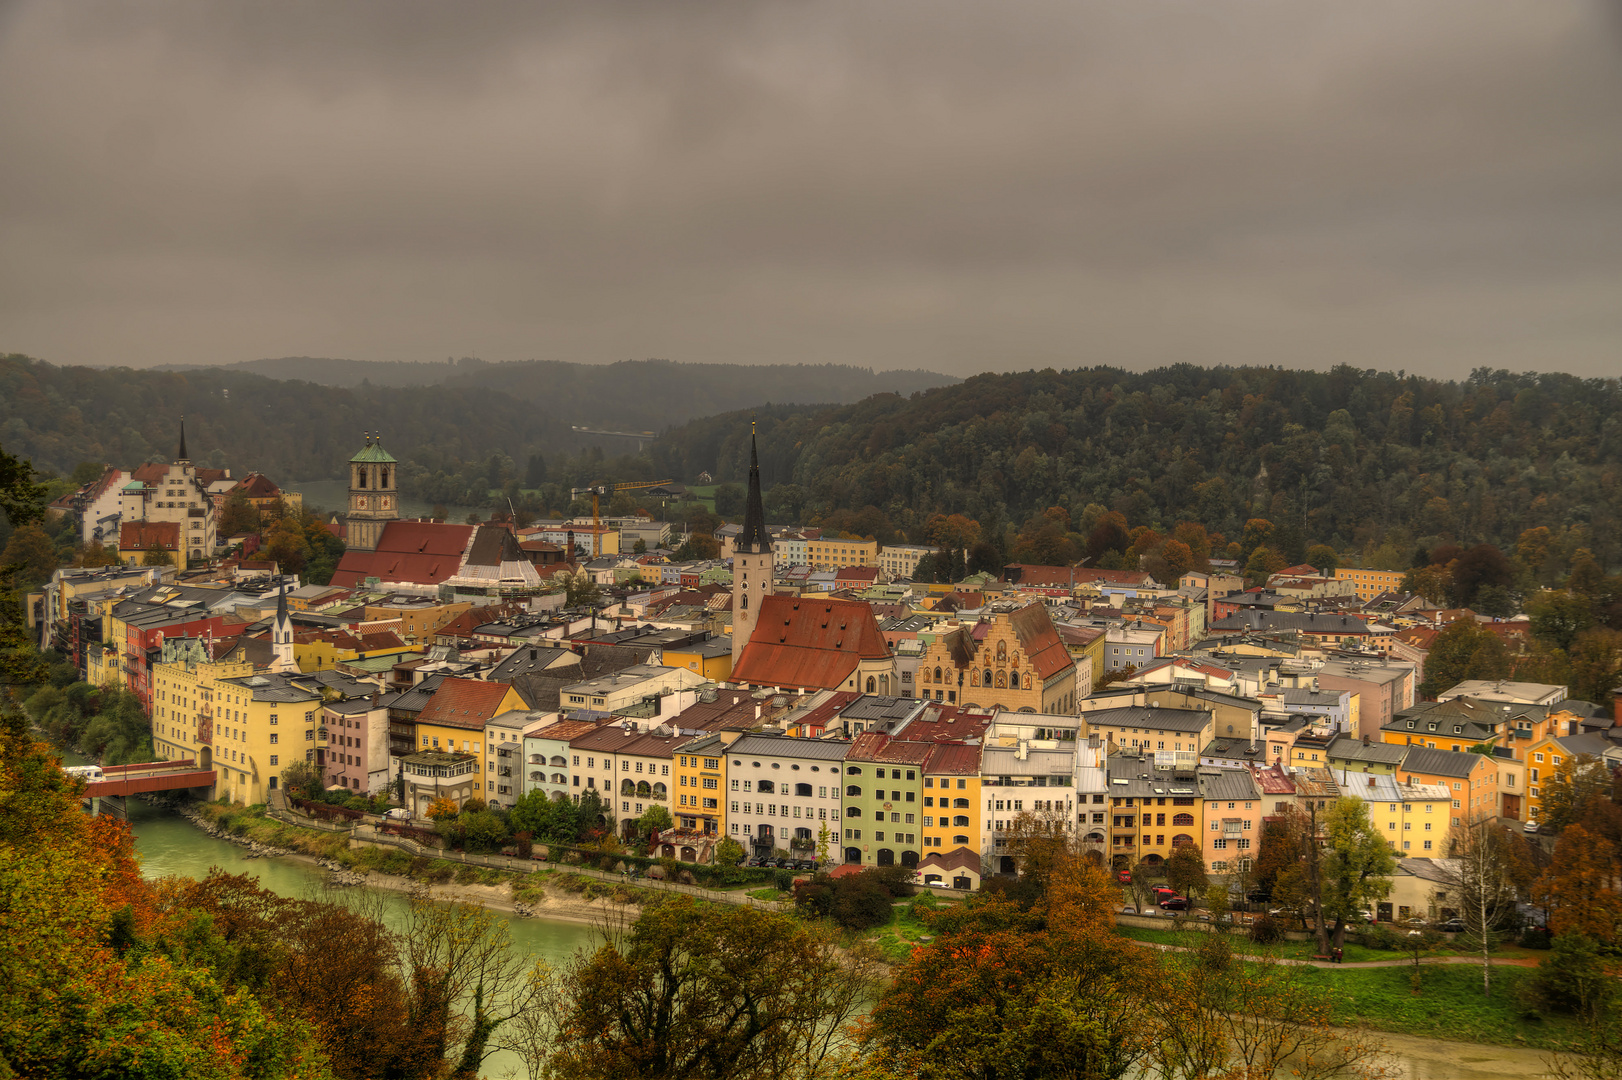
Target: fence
[(368, 834)]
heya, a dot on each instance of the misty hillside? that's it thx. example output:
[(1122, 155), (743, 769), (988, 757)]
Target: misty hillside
[(297, 430), (634, 395)]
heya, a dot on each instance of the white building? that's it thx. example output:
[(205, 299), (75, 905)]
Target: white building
[(783, 793)]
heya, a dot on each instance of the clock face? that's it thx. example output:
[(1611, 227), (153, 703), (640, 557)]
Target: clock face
[(388, 502)]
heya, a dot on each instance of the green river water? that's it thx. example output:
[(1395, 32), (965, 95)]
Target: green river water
[(168, 844)]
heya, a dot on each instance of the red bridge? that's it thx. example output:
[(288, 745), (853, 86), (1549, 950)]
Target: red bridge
[(148, 776)]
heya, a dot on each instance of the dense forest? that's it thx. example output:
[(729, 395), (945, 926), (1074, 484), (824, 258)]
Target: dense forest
[(1352, 459)]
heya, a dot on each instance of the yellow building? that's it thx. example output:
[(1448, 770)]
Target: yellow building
[(455, 717), (1014, 661), (1415, 819), (701, 780), (711, 659), (418, 617), (951, 813), (1371, 583), (247, 727), (829, 553), (326, 651)]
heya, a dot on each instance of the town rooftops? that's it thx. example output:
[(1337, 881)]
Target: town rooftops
[(783, 746), (878, 747), (953, 759), (1148, 716), (1422, 759), (563, 730), (808, 643), (1229, 785), (1350, 748), (959, 858)]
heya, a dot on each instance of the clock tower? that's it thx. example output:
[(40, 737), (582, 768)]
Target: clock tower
[(752, 561), (373, 498)]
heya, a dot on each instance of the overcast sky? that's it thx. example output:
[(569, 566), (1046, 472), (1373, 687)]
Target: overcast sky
[(958, 186)]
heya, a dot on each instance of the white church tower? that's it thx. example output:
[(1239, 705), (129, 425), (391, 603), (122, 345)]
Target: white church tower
[(752, 561)]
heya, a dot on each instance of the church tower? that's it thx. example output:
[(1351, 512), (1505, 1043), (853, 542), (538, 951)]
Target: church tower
[(373, 500), (281, 637), (751, 561)]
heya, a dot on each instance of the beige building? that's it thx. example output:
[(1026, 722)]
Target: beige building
[(900, 560), (1013, 660), (1371, 583), (829, 553)]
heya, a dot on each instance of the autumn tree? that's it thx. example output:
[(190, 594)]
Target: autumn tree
[(1569, 788), (1582, 888), (1324, 557)]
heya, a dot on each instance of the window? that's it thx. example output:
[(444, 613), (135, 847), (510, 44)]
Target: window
[(274, 760), (274, 737)]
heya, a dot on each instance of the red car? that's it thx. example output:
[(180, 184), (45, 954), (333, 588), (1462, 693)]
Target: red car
[(1173, 902), (1124, 877)]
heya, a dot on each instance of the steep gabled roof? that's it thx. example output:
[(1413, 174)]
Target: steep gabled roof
[(140, 535), (464, 703), (809, 643), (1040, 640)]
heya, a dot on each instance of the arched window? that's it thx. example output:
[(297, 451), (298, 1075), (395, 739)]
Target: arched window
[(559, 778), (644, 790), (659, 791), (960, 804), (744, 602), (960, 839), (765, 786), (1013, 680), (802, 790), (360, 478), (961, 821), (872, 684), (1181, 840), (627, 788), (854, 792), (1183, 820), (384, 482), (558, 760), (987, 678), (853, 811), (937, 674), (1002, 681)]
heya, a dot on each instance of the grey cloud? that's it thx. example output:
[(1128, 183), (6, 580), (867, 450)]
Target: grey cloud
[(961, 186)]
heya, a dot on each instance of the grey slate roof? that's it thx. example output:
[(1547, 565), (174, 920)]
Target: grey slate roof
[(1151, 717), (783, 746), (1422, 759)]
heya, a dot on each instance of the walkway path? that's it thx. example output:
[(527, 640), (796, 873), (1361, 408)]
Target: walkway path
[(1505, 962)]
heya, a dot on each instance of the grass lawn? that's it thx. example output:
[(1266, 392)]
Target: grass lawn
[(770, 894), (1449, 1005)]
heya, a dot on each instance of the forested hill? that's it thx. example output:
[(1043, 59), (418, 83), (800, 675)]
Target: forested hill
[(634, 395), (1341, 457), (296, 430)]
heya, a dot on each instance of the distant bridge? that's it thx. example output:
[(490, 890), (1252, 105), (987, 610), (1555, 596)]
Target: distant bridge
[(117, 781)]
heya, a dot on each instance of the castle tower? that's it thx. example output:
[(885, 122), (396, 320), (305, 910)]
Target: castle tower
[(281, 637), (373, 501), (751, 561)]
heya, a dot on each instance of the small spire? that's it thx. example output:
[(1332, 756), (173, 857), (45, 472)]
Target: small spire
[(182, 455)]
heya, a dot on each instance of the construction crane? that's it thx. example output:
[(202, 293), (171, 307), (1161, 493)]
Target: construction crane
[(597, 491)]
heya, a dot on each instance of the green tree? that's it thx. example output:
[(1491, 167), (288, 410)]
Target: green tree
[(31, 552), (657, 819), (717, 991), (22, 500), (1352, 872), (303, 779), (1324, 557), (1558, 617), (1463, 650), (1185, 870), (581, 591), (728, 852), (1569, 787), (157, 556), (237, 516)]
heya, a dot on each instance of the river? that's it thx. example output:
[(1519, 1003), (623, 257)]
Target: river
[(170, 845)]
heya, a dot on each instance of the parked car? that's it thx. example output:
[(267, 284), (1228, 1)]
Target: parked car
[(1530, 826), (1174, 903), (1129, 910), (398, 813), (1454, 925), (1258, 896), (1415, 921), (806, 864), (1124, 877)]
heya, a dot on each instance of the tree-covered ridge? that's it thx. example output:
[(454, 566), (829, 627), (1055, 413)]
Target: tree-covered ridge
[(1342, 457)]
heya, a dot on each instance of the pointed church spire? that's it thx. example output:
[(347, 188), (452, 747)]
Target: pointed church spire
[(754, 538), (281, 605), (182, 455)]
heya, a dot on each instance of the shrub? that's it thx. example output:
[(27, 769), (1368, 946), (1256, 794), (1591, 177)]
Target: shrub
[(523, 845), (439, 871), (1572, 978), (467, 875), (1382, 937), (784, 880), (861, 902), (606, 864), (474, 805), (896, 880), (1535, 937), (1266, 930), (814, 897), (357, 803)]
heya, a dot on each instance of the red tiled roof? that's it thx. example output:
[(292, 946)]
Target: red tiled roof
[(464, 703), (801, 642), (140, 535), (955, 759), (959, 858), (564, 730), (879, 747), (857, 573), (1040, 640), (149, 473), (1273, 780), (818, 717), (945, 724), (257, 486), (419, 552)]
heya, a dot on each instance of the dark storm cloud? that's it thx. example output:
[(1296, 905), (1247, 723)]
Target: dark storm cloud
[(959, 186)]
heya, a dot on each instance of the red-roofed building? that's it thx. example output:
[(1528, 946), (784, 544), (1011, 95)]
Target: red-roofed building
[(951, 814), (955, 869), (1014, 661), (136, 538), (802, 643), (458, 711), (816, 720), (408, 553), (856, 577)]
